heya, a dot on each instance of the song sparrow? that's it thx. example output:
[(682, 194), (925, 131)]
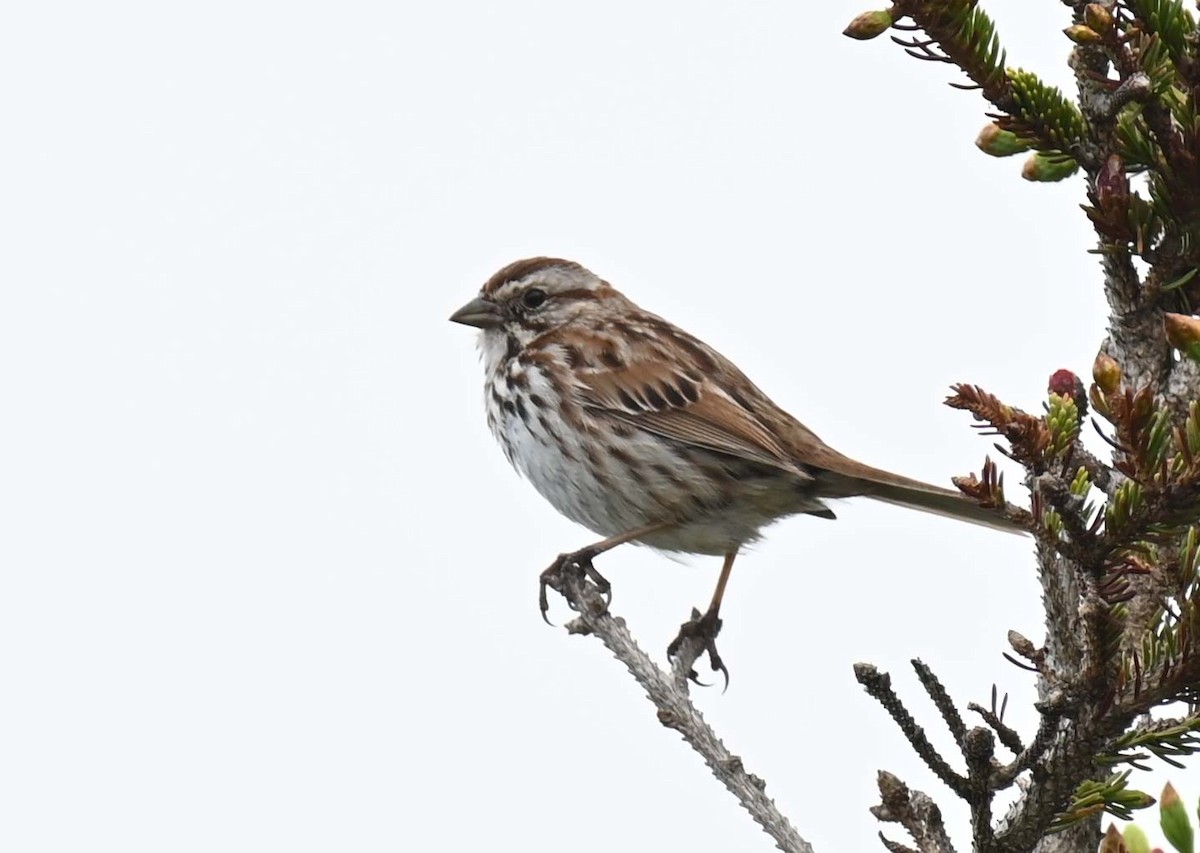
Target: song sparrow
[(642, 433)]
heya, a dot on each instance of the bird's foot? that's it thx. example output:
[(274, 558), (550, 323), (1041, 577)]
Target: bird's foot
[(578, 564), (705, 629)]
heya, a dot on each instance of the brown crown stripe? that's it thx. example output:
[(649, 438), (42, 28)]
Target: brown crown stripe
[(518, 270)]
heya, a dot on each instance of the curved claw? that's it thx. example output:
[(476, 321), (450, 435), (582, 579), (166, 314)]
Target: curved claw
[(543, 602), (719, 665), (579, 562), (548, 578), (705, 628), (598, 579)]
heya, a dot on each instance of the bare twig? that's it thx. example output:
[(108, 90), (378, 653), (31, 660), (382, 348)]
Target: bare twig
[(1033, 753), (1008, 737), (915, 811), (945, 705), (879, 686), (979, 745), (675, 709)]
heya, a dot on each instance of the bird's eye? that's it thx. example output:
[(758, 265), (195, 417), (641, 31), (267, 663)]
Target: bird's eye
[(534, 298)]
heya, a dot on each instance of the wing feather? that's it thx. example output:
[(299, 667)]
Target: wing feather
[(681, 403)]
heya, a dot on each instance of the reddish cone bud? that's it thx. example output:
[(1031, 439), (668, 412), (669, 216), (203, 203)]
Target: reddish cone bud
[(1112, 185), (1062, 383)]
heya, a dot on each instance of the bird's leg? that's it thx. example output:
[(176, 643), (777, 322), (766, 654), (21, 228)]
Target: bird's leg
[(580, 562), (706, 627)]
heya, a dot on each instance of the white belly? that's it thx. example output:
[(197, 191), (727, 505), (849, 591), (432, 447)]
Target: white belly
[(715, 504)]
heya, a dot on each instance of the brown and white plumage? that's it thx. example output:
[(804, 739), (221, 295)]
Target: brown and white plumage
[(620, 419), (635, 429)]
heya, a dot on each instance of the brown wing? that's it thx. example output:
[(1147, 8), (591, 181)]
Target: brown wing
[(657, 378), (676, 399)]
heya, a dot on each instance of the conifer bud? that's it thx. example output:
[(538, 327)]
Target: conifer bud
[(1112, 185), (1066, 384), (1173, 818), (1063, 383), (1098, 17), (1135, 839), (1083, 34), (1137, 799), (1112, 842), (1106, 373), (1047, 169), (868, 25), (997, 142), (1183, 333)]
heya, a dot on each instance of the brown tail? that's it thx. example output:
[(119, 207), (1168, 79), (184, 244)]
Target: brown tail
[(902, 491)]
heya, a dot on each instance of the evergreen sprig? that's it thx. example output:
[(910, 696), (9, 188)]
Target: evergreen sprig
[(966, 36), (960, 33), (1040, 114), (1166, 19), (1111, 795), (1165, 740), (1134, 144)]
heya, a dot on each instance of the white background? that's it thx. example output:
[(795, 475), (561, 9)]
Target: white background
[(267, 582)]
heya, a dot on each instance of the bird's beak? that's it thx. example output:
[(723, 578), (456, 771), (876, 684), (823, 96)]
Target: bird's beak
[(479, 312)]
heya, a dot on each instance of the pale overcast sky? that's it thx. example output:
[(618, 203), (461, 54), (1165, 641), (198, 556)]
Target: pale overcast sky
[(268, 582)]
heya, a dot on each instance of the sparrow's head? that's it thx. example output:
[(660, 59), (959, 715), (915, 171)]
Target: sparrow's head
[(531, 297)]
